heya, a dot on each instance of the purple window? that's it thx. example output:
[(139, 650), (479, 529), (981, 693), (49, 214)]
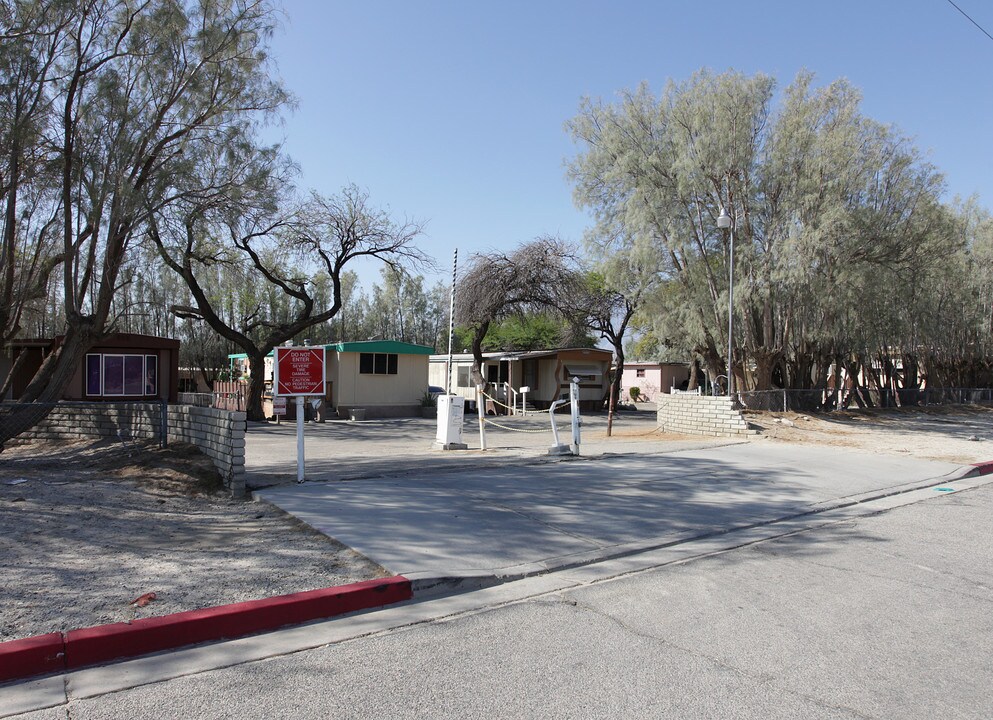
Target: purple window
[(134, 374), (113, 374), (151, 375), (93, 375)]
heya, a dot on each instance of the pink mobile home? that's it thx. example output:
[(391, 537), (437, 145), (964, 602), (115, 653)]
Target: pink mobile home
[(652, 378)]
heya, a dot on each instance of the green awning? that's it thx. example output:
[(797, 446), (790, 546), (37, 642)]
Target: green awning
[(382, 346), (366, 346)]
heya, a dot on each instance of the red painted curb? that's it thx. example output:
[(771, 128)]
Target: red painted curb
[(104, 643), (36, 655), (985, 468), (110, 642)]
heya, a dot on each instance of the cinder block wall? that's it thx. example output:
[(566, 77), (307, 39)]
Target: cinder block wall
[(700, 415), (123, 421), (219, 434)]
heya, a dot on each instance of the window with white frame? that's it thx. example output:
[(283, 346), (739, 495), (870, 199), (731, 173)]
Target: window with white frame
[(121, 375), (585, 373)]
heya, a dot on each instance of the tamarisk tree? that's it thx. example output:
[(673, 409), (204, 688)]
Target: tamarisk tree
[(288, 256), (538, 275), (835, 217), (114, 100)]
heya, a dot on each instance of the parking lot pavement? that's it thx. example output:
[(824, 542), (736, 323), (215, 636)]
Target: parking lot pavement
[(503, 521)]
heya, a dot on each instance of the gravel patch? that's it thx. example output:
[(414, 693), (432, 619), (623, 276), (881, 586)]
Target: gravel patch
[(88, 528), (947, 433)]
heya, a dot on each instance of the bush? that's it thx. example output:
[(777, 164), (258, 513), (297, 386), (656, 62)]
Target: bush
[(635, 394)]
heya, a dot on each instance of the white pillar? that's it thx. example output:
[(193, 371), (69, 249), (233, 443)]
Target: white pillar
[(481, 411), (300, 407), (574, 408)]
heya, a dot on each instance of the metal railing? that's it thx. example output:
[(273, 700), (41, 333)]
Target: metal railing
[(516, 400), (218, 400)]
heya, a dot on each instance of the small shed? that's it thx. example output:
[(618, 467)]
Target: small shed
[(122, 367), (387, 378)]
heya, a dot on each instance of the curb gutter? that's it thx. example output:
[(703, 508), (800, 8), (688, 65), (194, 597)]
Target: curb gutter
[(58, 652)]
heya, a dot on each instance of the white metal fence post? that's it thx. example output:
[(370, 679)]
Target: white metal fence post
[(481, 412), (574, 410)]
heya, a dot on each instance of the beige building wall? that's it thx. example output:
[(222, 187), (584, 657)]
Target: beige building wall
[(354, 389), (551, 374), (548, 380)]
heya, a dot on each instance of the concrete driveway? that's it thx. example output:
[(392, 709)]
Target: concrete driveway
[(344, 450), (518, 520)]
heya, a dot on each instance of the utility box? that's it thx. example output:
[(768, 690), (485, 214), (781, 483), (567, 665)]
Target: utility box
[(451, 416)]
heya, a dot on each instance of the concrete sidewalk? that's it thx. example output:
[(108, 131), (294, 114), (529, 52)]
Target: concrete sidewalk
[(495, 523)]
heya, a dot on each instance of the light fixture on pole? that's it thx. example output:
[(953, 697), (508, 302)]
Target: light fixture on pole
[(724, 222)]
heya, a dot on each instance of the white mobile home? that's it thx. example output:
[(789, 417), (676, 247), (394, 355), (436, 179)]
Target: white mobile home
[(545, 373)]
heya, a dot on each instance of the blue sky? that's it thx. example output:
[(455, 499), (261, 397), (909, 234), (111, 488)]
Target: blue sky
[(453, 112)]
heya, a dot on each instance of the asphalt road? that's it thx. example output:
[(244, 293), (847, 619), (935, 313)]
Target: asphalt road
[(885, 615)]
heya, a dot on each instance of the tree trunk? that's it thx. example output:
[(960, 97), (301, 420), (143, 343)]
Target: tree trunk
[(256, 384), (852, 368), (911, 371), (615, 383), (799, 371), (14, 369), (477, 352), (693, 382), (765, 363), (49, 382), (713, 359)]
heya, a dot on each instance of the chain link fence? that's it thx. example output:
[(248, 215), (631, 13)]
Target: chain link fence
[(829, 400)]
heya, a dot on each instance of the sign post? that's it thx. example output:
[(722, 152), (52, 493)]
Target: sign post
[(278, 407), (298, 372)]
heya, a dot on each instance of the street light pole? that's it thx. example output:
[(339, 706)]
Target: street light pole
[(725, 223)]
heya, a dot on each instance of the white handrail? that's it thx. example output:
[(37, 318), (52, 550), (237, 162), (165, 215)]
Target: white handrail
[(510, 395)]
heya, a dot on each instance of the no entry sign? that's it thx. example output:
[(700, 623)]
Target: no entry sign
[(299, 371)]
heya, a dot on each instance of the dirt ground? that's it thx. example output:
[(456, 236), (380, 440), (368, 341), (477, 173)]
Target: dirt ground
[(958, 434), (90, 527), (87, 528)]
